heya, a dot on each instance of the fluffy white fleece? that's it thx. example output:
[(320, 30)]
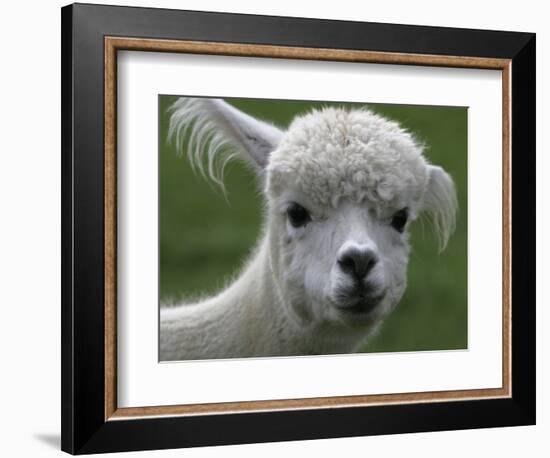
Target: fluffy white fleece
[(334, 153), (352, 171)]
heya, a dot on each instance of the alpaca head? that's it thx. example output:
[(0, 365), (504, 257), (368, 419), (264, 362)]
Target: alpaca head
[(342, 187)]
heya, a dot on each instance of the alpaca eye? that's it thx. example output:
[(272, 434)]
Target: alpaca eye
[(298, 215), (399, 219)]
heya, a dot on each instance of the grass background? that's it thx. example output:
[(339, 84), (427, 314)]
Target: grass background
[(205, 238)]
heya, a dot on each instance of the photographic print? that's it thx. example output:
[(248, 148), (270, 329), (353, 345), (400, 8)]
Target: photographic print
[(288, 240), (296, 228)]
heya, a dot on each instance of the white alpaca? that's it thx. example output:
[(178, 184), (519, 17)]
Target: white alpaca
[(341, 187)]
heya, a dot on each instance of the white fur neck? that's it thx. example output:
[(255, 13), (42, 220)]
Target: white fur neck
[(248, 319)]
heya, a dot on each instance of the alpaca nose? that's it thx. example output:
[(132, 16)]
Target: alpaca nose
[(358, 262)]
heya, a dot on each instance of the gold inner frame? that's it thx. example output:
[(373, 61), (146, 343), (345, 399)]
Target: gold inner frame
[(112, 45)]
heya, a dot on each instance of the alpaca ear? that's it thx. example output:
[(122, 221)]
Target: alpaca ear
[(441, 204), (215, 126)]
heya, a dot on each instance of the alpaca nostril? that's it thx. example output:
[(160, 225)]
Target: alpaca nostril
[(358, 262)]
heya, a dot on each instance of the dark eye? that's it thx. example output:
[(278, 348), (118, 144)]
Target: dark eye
[(298, 215), (399, 219)]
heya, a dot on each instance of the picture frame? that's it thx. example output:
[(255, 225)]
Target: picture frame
[(92, 37)]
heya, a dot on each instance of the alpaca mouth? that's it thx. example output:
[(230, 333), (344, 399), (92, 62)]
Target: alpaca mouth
[(362, 305), (359, 302)]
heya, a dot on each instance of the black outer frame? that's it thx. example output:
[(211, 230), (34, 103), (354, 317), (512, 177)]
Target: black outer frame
[(83, 425)]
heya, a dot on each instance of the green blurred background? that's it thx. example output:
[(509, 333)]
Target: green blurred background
[(205, 237)]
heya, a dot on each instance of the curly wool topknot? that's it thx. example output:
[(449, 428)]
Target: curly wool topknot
[(335, 153)]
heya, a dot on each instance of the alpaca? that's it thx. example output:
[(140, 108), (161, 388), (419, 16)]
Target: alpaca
[(341, 187)]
